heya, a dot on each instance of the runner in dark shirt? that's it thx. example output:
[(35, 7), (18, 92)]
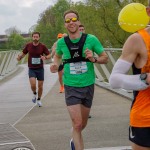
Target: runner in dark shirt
[(37, 52)]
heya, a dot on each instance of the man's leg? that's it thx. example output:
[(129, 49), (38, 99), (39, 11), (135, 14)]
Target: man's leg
[(79, 116), (85, 115), (40, 89), (33, 84), (60, 73), (33, 88), (40, 78)]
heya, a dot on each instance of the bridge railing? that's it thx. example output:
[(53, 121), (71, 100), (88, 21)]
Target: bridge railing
[(9, 64), (103, 72)]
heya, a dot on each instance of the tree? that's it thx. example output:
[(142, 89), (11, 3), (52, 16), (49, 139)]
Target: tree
[(15, 41), (100, 17), (12, 30)]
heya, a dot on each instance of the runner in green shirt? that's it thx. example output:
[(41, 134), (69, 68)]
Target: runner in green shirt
[(77, 51)]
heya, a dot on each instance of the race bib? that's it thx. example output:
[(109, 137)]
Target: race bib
[(78, 68), (36, 61)]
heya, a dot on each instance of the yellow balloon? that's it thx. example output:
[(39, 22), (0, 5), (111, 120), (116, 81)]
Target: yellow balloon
[(133, 17)]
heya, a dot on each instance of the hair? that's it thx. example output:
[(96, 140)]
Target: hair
[(71, 11), (36, 33), (81, 25)]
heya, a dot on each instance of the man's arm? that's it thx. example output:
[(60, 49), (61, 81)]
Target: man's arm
[(101, 59), (119, 77), (53, 49), (20, 56), (56, 63)]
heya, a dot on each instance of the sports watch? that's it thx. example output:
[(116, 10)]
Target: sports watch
[(143, 77), (95, 59)]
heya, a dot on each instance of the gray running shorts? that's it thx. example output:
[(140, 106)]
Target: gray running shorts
[(79, 95)]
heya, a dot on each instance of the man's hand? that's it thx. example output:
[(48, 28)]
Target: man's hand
[(19, 57), (54, 68), (89, 55), (43, 57)]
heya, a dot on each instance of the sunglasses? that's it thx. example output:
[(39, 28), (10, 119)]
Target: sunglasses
[(71, 19)]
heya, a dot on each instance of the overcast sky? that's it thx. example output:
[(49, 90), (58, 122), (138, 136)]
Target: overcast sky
[(21, 13)]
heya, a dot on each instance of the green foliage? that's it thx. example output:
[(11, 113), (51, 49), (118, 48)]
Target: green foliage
[(100, 17), (51, 22), (15, 41)]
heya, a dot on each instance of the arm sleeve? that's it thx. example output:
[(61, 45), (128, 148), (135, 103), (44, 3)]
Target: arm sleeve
[(120, 79)]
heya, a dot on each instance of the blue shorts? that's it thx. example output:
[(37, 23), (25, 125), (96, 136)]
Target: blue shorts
[(79, 95), (140, 136), (37, 73)]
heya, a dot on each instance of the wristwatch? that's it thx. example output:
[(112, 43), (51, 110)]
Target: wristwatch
[(95, 59), (143, 77)]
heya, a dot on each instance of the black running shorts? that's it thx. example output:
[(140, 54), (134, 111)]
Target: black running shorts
[(37, 73), (140, 136), (79, 95), (60, 68)]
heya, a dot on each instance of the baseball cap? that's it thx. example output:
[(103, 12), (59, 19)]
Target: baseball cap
[(60, 35)]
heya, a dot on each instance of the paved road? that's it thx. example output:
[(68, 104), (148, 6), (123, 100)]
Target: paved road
[(49, 127)]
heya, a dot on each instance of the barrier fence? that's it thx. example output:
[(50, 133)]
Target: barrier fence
[(9, 63)]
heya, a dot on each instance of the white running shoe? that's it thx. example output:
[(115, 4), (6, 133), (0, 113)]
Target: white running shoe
[(39, 103), (34, 98)]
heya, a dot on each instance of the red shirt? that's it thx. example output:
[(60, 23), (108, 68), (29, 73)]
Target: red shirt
[(34, 54)]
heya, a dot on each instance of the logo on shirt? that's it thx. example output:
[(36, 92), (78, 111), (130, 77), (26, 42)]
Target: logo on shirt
[(76, 55)]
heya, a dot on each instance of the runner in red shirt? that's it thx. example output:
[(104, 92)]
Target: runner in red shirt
[(37, 52)]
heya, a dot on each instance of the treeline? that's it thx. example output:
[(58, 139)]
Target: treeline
[(100, 17)]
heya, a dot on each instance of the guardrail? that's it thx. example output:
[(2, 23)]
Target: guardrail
[(9, 64), (103, 72)]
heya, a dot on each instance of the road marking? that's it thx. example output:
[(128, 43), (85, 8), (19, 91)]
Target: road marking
[(112, 148)]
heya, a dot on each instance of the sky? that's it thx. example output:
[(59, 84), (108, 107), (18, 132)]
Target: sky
[(22, 14)]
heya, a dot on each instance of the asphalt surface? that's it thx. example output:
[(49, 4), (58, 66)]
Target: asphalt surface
[(49, 127)]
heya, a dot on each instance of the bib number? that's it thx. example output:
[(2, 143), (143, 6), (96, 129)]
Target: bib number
[(36, 61), (78, 68)]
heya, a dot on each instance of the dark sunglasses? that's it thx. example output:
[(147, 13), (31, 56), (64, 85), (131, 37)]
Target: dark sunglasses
[(71, 19)]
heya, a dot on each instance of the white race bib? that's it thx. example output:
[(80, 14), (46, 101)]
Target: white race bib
[(78, 68), (36, 61)]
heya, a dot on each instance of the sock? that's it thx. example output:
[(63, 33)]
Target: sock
[(38, 99)]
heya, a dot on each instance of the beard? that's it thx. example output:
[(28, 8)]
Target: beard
[(35, 41)]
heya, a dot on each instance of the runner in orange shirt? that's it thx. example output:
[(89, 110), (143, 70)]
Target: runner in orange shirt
[(136, 53), (60, 69)]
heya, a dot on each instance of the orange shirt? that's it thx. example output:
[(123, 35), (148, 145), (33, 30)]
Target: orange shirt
[(140, 111)]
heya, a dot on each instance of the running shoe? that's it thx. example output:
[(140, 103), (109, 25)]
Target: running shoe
[(72, 145), (61, 90), (34, 98), (39, 103), (90, 116)]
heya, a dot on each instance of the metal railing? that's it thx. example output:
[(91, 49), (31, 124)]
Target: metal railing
[(9, 64), (103, 72)]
